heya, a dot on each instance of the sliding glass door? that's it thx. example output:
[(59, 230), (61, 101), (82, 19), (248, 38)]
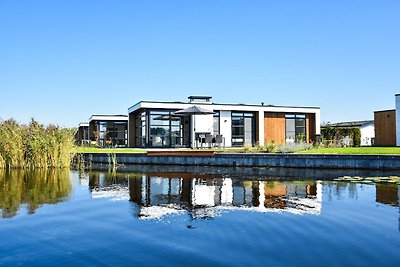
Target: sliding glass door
[(243, 128), (160, 128)]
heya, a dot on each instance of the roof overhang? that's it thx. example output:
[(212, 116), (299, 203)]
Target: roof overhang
[(109, 118), (222, 107)]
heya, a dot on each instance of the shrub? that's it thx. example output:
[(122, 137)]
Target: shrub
[(335, 135), (270, 147), (294, 147), (267, 148)]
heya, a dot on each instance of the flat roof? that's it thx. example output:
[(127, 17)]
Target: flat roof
[(199, 97), (386, 110), (348, 123), (217, 104), (108, 118), (108, 115)]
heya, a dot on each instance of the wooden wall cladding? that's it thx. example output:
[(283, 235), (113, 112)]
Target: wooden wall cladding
[(385, 128)]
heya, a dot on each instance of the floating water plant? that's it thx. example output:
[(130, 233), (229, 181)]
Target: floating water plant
[(370, 180)]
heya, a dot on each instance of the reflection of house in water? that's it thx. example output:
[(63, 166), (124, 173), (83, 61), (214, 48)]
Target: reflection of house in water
[(103, 185), (206, 196), (262, 196), (389, 195)]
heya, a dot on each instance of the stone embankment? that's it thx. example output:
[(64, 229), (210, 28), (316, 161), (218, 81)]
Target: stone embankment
[(210, 158)]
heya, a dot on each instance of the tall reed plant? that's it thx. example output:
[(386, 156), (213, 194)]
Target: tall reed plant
[(35, 145)]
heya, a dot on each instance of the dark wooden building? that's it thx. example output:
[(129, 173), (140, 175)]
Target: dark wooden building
[(385, 127)]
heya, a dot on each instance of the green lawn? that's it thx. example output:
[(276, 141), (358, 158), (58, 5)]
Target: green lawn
[(108, 150), (136, 150), (353, 150), (344, 150)]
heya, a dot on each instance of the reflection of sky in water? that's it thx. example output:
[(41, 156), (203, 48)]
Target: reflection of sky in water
[(198, 220), (156, 197), (113, 192)]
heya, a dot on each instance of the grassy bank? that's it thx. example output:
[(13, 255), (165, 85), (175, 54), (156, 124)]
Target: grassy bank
[(354, 150), (136, 150), (108, 150), (35, 145), (285, 149)]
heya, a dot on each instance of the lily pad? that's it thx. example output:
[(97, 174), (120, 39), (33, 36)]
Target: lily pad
[(369, 180)]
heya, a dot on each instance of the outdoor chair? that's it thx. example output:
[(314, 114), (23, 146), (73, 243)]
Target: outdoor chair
[(200, 139), (208, 140), (218, 140)]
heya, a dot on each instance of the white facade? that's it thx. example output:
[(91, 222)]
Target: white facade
[(367, 133), (225, 127)]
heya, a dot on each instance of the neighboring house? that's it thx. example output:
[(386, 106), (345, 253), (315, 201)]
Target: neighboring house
[(109, 130), (155, 124), (82, 134), (385, 127), (366, 128)]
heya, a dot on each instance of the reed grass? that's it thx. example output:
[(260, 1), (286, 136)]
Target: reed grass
[(35, 145)]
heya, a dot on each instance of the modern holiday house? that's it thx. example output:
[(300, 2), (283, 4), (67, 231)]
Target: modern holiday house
[(109, 130), (82, 134), (200, 122)]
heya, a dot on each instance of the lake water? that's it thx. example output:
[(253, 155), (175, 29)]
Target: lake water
[(186, 219)]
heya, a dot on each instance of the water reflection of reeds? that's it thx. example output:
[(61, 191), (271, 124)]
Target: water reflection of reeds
[(32, 188)]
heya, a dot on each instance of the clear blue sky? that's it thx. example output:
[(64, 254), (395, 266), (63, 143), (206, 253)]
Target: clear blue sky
[(61, 61)]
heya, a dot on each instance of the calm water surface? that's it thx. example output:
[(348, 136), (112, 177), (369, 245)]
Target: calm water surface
[(174, 219)]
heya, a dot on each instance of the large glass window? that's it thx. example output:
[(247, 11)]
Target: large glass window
[(118, 134), (176, 131), (243, 128), (216, 123), (159, 128), (141, 123), (165, 129), (112, 133), (85, 133), (295, 128)]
